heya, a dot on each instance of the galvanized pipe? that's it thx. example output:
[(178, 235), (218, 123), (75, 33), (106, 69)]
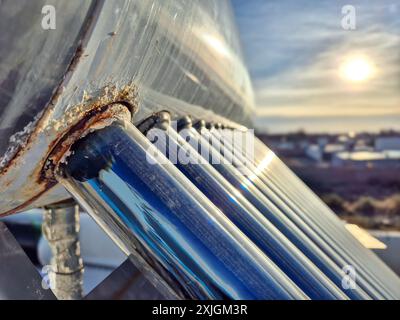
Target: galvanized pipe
[(61, 229)]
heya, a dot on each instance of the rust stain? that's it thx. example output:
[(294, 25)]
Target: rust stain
[(78, 54), (60, 147), (37, 181), (93, 110), (57, 93), (126, 96)]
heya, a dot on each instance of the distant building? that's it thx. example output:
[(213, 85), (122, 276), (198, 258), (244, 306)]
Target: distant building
[(345, 140), (322, 141), (314, 152), (330, 149), (363, 148), (285, 145), (387, 143), (367, 159), (318, 152)]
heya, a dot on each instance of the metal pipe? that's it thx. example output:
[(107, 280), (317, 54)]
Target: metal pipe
[(61, 229), (153, 212)]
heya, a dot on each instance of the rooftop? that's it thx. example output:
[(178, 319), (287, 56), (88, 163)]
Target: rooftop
[(369, 155)]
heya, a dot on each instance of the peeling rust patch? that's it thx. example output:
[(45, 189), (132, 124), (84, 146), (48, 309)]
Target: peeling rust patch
[(97, 117), (109, 95), (97, 110), (92, 119)]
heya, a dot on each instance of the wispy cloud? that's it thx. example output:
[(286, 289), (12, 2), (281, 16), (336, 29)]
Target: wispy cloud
[(294, 49)]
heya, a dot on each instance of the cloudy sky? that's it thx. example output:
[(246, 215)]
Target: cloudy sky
[(310, 73)]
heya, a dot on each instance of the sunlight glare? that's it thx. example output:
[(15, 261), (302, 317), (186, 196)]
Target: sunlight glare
[(356, 69)]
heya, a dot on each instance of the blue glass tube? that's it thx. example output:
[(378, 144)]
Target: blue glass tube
[(325, 224), (317, 251), (310, 203), (273, 243), (317, 234), (155, 213)]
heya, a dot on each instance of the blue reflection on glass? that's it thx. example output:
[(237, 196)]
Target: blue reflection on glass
[(108, 167)]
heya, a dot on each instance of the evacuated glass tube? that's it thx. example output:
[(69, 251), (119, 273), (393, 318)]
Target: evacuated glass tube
[(155, 213)]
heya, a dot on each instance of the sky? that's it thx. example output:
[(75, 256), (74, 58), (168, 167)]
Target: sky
[(309, 73)]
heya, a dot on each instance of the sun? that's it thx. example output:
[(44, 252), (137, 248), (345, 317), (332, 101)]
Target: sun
[(357, 69)]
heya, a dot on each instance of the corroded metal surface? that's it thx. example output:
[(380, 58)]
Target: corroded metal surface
[(182, 56), (61, 229), (34, 61), (41, 180)]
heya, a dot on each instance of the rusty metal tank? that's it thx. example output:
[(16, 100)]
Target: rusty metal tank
[(180, 56)]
